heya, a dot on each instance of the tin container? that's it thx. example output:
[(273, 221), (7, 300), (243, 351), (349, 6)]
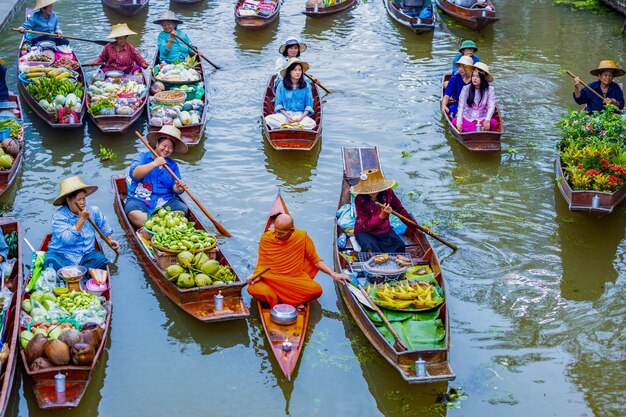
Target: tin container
[(59, 383), (478, 127), (595, 202), (283, 314), (420, 368), (219, 301)]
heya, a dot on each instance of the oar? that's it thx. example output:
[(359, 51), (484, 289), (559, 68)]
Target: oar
[(384, 319), (257, 275), (196, 50), (217, 224), (571, 74), (97, 229), (422, 228), (35, 32), (310, 77)]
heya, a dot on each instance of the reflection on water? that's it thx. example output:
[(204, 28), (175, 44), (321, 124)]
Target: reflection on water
[(292, 168)]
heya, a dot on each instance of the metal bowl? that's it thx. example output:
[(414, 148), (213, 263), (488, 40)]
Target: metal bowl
[(283, 314), (72, 272), (114, 74), (47, 44)]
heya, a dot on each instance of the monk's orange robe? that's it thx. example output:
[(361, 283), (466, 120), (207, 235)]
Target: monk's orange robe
[(292, 263)]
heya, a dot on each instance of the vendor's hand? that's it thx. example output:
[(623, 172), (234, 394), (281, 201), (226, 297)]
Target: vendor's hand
[(250, 279), (83, 213), (298, 119), (486, 125), (341, 278), (173, 34), (159, 161), (459, 126), (445, 109), (145, 65), (115, 245), (576, 83), (181, 184), (59, 33), (610, 101), (21, 29), (385, 211), (289, 119)]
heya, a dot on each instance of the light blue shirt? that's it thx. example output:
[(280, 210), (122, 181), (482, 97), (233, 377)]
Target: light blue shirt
[(69, 241), (39, 23), (297, 100), (179, 50)]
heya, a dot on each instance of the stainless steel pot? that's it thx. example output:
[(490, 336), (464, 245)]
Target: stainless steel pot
[(283, 314)]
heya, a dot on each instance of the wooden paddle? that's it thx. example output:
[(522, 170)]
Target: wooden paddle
[(35, 32), (217, 224), (196, 50), (257, 276), (422, 228), (310, 77), (93, 224), (571, 74), (377, 309)]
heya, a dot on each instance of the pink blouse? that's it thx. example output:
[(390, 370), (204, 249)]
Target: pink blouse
[(481, 110)]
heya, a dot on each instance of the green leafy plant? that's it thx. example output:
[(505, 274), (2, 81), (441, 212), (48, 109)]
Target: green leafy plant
[(107, 154)]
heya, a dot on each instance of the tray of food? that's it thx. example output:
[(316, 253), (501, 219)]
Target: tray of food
[(407, 295), (388, 263)]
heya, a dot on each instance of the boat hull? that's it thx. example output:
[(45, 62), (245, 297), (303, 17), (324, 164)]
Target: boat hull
[(327, 11), (412, 23), (126, 7), (256, 22), (8, 177), (475, 19)]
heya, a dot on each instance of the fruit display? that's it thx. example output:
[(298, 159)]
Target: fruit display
[(179, 72), (179, 239), (76, 300), (198, 271), (189, 113), (405, 295), (165, 219), (14, 125), (381, 259), (36, 73), (54, 94), (115, 98)]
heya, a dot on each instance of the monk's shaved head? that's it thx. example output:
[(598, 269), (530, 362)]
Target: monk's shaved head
[(283, 222)]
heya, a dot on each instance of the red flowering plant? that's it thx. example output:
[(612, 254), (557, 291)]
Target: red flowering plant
[(593, 149)]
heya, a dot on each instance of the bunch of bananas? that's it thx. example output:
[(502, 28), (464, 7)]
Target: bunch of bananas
[(35, 73), (411, 294)]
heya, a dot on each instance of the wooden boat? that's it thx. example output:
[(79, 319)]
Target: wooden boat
[(7, 177), (325, 11), (582, 200), (411, 22), (197, 301), (256, 22), (187, 1), (126, 7), (43, 114), (355, 160), (475, 17), (12, 329), (291, 139), (482, 141), (277, 334), (77, 378), (118, 123), (192, 133)]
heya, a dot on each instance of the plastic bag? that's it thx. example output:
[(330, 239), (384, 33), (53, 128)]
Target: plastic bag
[(39, 312), (25, 318), (7, 267), (56, 313), (36, 268), (48, 280), (6, 296), (95, 313)]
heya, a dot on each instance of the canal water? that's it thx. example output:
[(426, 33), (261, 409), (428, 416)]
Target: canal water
[(535, 293)]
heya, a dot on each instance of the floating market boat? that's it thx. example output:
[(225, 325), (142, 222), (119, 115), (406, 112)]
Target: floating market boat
[(481, 141), (355, 160), (11, 315), (187, 1), (340, 6), (410, 21), (476, 17), (291, 139), (8, 176), (126, 7), (255, 20), (77, 377), (198, 302), (193, 130)]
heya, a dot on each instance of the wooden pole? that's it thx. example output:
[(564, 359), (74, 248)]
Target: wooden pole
[(257, 276), (36, 32), (317, 82), (193, 48), (571, 74), (97, 229), (383, 318)]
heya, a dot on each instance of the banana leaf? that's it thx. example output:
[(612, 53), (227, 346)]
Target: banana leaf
[(417, 335), (394, 316)]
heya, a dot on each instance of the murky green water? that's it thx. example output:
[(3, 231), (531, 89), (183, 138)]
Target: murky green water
[(536, 293)]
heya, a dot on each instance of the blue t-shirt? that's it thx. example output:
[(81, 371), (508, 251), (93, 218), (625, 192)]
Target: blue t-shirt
[(297, 100), (39, 23), (156, 188), (593, 102), (179, 50), (456, 58)]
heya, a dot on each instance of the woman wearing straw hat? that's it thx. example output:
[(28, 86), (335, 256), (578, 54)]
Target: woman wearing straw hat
[(450, 101), (477, 102), (73, 237), (611, 91), (170, 47), (120, 55), (372, 229), (149, 185), (293, 103), (43, 20), (292, 48)]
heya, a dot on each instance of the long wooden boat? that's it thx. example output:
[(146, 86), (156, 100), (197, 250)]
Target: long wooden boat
[(126, 7), (117, 123), (77, 378), (475, 18), (192, 133), (256, 22), (411, 22), (582, 200), (197, 301), (355, 160), (325, 11), (291, 139), (483, 141), (47, 117), (277, 334), (12, 330), (7, 177), (187, 1)]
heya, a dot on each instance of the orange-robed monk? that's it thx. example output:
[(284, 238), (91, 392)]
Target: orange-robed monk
[(293, 261)]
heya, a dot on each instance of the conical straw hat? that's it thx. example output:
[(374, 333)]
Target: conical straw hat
[(40, 4), (119, 30), (167, 15), (170, 132), (71, 184), (305, 66), (607, 64), (372, 181)]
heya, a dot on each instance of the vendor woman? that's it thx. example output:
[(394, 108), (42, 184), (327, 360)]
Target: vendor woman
[(150, 185), (170, 47), (43, 20), (372, 229), (120, 55), (611, 91), (73, 237)]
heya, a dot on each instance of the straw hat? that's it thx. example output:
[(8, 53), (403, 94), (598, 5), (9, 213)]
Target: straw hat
[(468, 45), (291, 41), (71, 184), (372, 181), (484, 68), (607, 64), (463, 61), (170, 132), (305, 66), (168, 15), (40, 4), (119, 30)]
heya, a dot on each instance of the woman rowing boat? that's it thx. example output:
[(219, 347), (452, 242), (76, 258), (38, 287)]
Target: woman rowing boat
[(43, 20), (611, 91), (120, 55), (170, 47)]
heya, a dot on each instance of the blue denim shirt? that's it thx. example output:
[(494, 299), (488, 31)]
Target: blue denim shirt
[(179, 50), (157, 185), (38, 23), (297, 100), (593, 102)]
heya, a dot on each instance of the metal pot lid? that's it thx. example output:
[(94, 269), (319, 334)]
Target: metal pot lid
[(284, 311)]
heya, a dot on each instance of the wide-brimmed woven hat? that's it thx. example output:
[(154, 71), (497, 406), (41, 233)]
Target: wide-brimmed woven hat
[(607, 64), (167, 15), (372, 181), (119, 30), (463, 61), (292, 61), (484, 68), (71, 184), (468, 44), (170, 132), (292, 41), (40, 4)]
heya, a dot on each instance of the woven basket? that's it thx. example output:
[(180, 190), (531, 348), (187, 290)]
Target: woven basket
[(171, 97)]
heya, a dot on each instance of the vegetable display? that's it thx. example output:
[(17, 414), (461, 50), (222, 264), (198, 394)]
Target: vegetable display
[(182, 239), (53, 94), (109, 97)]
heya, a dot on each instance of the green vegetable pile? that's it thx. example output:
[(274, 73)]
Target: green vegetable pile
[(76, 300), (183, 238), (11, 241), (198, 271), (49, 88), (97, 107), (13, 124)]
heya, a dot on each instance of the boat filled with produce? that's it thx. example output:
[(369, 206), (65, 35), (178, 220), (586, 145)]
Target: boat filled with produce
[(11, 141)]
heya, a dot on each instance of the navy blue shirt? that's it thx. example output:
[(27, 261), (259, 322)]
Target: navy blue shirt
[(4, 90), (593, 102)]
